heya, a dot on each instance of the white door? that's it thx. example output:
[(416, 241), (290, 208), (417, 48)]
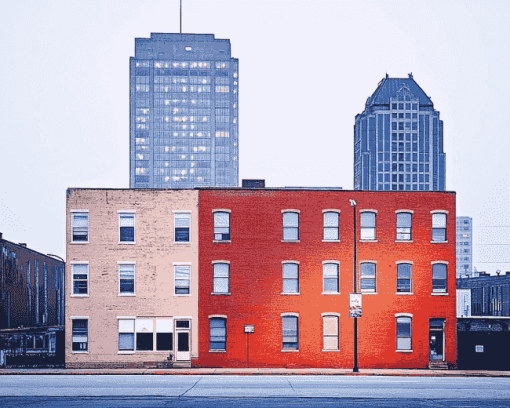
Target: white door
[(182, 337)]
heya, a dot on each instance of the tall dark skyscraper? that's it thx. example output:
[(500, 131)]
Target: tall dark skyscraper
[(184, 112), (398, 140)]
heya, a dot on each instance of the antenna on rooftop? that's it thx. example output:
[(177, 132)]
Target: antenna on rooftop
[(180, 25)]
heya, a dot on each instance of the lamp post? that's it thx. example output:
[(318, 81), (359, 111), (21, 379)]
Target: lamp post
[(355, 368)]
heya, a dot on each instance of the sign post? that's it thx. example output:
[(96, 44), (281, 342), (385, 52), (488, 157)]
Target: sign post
[(248, 329), (355, 305)]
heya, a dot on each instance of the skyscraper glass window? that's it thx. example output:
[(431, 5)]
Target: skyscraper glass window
[(184, 112), (398, 140), (464, 246)]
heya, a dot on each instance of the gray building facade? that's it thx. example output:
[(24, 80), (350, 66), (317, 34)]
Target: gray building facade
[(184, 109), (398, 140), (464, 246)]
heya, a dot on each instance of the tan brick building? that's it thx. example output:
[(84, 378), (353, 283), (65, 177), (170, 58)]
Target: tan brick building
[(131, 277)]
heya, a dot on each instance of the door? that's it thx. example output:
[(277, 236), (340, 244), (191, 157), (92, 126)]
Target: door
[(182, 330), (436, 340)]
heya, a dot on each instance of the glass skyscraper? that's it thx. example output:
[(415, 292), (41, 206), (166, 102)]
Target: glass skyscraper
[(183, 112), (464, 246), (398, 140)]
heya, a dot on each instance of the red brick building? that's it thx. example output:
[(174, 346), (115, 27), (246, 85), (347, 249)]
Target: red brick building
[(281, 260)]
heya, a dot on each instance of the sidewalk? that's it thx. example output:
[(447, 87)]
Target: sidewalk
[(255, 371)]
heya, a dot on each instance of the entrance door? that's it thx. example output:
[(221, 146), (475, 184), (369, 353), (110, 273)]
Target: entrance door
[(436, 339), (182, 329)]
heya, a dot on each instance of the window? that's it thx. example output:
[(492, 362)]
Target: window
[(439, 274), (330, 332), (290, 333), (126, 335), (330, 276), (80, 335), (144, 334), (221, 279), (404, 224), (291, 226), (164, 334), (218, 333), (182, 279), (127, 279), (367, 278), (221, 226), (331, 224), (127, 227), (80, 279), (404, 278), (403, 333), (367, 225), (290, 278), (439, 227), (80, 226), (181, 222)]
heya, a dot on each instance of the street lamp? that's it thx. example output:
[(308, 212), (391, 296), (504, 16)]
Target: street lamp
[(355, 368)]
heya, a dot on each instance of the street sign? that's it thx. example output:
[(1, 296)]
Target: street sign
[(249, 328), (355, 305)]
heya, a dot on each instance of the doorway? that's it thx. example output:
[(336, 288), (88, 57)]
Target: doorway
[(182, 331), (436, 340)]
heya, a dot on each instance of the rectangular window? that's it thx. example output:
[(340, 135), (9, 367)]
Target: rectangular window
[(290, 278), (438, 227), (367, 230), (80, 226), (290, 333), (164, 334), (291, 226), (182, 225), (331, 225), (330, 276), (80, 279), (126, 335), (144, 334), (182, 279), (439, 273), (330, 333), (127, 279), (218, 333), (367, 278), (404, 333), (221, 278), (80, 333), (404, 276), (221, 226), (404, 224), (127, 227)]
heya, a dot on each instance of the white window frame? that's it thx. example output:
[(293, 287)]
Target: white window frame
[(368, 291), (361, 227), (329, 292), (182, 264), (408, 316), (411, 212), (445, 213), (119, 263), (175, 212), (229, 212), (72, 227), (138, 322), (126, 331), (87, 336), (283, 278), (224, 318), (411, 279), (127, 212), (283, 225), (439, 292), (328, 335), (72, 279), (324, 212), (282, 316), (214, 263)]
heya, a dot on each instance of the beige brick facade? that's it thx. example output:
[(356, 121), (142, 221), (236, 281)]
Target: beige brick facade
[(120, 318)]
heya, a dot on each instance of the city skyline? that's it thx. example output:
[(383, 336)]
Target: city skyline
[(66, 112)]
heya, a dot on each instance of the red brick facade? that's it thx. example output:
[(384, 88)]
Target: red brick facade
[(255, 253)]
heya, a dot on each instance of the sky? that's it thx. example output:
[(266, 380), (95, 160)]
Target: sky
[(306, 70)]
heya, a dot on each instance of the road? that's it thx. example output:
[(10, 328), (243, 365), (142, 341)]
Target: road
[(260, 391)]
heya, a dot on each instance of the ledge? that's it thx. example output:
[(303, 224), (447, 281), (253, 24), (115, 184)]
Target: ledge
[(219, 294), (402, 241), (217, 351), (80, 296), (126, 352), (182, 294), (126, 242), (403, 351), (439, 294), (290, 293), (367, 240), (182, 242), (290, 351), (367, 293), (438, 242), (404, 293), (127, 294), (79, 242), (330, 351), (79, 352), (221, 241), (330, 240), (291, 241), (330, 293)]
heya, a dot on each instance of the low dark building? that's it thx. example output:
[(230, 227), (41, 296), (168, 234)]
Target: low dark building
[(483, 322), (31, 307)]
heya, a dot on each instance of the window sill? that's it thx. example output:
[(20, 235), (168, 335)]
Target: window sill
[(79, 242), (438, 242), (439, 294), (408, 241), (367, 240), (291, 241), (127, 294), (125, 352), (330, 240), (79, 352), (221, 242), (182, 242), (290, 351), (218, 293), (403, 351), (404, 293), (217, 351), (368, 293), (290, 293), (330, 351), (182, 294), (330, 293), (126, 242), (80, 296)]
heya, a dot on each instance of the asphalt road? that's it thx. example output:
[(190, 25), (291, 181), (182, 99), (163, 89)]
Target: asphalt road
[(260, 391)]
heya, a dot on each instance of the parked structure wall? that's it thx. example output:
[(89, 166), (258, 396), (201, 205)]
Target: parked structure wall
[(129, 300), (255, 253)]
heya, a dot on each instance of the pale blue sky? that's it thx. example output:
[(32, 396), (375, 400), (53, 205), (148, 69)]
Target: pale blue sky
[(306, 69)]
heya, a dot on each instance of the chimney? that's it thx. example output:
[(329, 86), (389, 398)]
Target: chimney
[(498, 272), (252, 183), (1, 235), (410, 75), (23, 244)]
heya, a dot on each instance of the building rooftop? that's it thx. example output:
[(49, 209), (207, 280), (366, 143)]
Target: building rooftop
[(389, 87)]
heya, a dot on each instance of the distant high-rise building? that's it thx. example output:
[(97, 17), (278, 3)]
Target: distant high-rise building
[(398, 140), (464, 246), (184, 112)]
